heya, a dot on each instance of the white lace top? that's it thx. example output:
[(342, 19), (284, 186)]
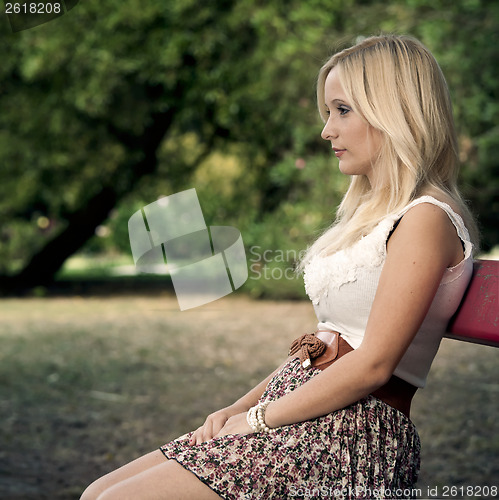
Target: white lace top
[(342, 288)]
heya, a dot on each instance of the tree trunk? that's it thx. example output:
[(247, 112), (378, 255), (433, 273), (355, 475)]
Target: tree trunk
[(81, 224)]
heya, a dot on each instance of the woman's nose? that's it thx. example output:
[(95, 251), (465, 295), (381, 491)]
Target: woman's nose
[(328, 132)]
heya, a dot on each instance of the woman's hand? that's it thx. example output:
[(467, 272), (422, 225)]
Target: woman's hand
[(236, 424), (214, 424)]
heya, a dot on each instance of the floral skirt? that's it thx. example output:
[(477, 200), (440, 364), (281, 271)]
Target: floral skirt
[(366, 450)]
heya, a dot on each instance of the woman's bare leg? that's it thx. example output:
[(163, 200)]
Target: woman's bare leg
[(167, 481), (149, 477), (131, 469)]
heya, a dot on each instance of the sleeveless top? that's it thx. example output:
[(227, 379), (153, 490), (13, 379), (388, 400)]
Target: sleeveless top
[(342, 287)]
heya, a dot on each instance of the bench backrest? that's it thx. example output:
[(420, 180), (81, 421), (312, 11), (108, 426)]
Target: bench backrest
[(477, 319)]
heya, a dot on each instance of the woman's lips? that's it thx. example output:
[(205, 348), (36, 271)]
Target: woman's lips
[(338, 152)]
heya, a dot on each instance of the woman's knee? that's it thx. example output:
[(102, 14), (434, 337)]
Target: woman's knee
[(98, 487), (166, 480), (93, 491)]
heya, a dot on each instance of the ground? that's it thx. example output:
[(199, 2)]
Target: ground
[(87, 384)]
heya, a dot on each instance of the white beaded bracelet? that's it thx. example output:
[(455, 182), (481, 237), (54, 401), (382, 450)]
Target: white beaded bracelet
[(256, 418)]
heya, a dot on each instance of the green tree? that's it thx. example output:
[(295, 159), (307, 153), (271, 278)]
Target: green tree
[(85, 122), (464, 37), (121, 97)]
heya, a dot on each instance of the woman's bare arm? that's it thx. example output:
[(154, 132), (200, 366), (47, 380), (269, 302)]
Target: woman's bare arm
[(423, 246)]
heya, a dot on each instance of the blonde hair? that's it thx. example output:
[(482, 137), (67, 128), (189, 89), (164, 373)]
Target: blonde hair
[(395, 84)]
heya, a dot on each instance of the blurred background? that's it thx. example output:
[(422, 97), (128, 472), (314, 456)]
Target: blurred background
[(118, 103), (110, 107)]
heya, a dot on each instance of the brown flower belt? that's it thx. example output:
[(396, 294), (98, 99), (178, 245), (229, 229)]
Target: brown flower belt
[(321, 349)]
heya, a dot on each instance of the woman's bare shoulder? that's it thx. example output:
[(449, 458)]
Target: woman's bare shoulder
[(428, 224), (445, 198)]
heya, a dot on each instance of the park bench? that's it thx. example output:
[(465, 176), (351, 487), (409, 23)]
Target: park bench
[(477, 319)]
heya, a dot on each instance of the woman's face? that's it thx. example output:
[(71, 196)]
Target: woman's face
[(355, 143)]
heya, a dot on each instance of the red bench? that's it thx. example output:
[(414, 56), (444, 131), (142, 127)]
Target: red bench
[(477, 319)]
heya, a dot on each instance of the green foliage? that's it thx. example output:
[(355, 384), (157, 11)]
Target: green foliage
[(275, 244), (237, 81), (464, 37)]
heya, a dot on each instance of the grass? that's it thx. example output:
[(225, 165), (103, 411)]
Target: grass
[(87, 384)]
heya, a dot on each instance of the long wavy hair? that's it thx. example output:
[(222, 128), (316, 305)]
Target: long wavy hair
[(395, 84)]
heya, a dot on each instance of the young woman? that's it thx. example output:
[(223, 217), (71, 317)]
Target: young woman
[(333, 420)]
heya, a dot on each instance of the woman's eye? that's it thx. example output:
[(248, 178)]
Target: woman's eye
[(343, 110)]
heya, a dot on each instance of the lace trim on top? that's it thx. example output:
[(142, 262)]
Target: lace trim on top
[(332, 271), (323, 273)]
